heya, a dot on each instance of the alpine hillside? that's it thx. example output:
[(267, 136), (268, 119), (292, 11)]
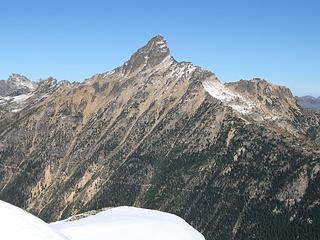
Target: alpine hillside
[(237, 160)]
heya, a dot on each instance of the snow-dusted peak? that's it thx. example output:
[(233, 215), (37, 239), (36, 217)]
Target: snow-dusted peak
[(159, 43), (156, 47), (150, 55), (17, 78), (21, 81)]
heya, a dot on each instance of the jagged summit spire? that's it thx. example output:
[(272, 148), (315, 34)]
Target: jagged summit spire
[(158, 44), (21, 81), (17, 78), (156, 49), (153, 53)]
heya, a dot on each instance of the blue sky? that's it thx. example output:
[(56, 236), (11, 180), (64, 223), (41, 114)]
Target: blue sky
[(275, 40)]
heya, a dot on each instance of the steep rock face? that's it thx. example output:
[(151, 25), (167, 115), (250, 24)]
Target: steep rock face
[(165, 135)]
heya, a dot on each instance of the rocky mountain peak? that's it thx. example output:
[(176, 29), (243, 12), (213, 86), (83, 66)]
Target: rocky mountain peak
[(17, 78), (150, 55), (258, 86), (47, 85), (162, 134), (157, 45), (272, 101), (21, 81), (15, 85)]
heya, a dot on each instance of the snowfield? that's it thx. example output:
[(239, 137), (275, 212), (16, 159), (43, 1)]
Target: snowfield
[(239, 103), (122, 223), (17, 224)]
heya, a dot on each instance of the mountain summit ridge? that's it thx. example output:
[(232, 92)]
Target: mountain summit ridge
[(150, 55), (165, 135)]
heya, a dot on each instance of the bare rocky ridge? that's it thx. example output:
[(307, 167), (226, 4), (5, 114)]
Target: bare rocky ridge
[(237, 160), (274, 101)]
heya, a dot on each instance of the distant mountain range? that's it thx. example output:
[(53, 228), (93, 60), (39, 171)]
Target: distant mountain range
[(309, 102), (237, 160)]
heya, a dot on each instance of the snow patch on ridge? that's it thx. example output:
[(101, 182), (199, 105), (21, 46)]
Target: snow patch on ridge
[(239, 103), (22, 98), (162, 45), (17, 99)]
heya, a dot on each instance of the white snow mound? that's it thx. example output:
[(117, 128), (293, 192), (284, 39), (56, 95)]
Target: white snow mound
[(124, 223), (17, 224)]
